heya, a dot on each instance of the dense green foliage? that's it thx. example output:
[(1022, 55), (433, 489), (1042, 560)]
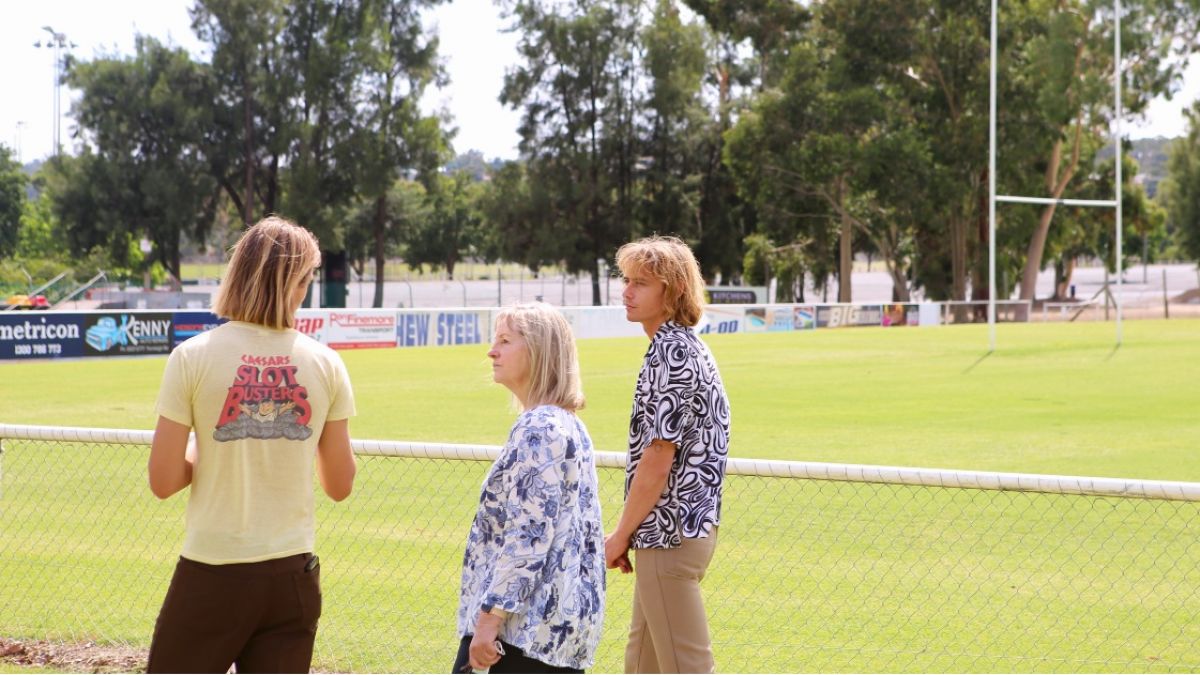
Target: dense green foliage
[(1182, 189)]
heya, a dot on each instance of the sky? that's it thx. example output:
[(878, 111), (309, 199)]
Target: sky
[(475, 50)]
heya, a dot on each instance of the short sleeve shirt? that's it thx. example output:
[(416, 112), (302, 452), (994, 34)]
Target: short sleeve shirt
[(258, 399), (680, 398)]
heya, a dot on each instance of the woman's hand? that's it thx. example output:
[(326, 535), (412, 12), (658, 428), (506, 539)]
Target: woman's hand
[(483, 653)]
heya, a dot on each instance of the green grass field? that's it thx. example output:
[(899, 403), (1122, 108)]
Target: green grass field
[(1053, 398), (810, 575)]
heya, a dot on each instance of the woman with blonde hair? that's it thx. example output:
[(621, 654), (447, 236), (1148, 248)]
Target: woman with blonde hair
[(532, 598), (264, 400)]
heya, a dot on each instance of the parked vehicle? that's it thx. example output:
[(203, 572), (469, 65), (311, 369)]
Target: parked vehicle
[(21, 301)]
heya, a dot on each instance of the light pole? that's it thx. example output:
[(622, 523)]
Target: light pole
[(58, 42), (20, 125)]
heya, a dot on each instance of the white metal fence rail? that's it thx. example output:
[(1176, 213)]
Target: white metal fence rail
[(821, 567)]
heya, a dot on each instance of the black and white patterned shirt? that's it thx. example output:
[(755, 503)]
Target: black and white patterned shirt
[(680, 398)]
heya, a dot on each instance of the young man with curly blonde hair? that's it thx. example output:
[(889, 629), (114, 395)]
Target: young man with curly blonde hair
[(678, 444)]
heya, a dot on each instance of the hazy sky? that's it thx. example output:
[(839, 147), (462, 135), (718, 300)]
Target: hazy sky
[(475, 50)]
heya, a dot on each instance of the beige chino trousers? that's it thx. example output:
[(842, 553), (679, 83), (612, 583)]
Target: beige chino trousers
[(669, 631)]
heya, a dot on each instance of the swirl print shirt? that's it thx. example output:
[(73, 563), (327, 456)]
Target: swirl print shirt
[(536, 547), (680, 398)]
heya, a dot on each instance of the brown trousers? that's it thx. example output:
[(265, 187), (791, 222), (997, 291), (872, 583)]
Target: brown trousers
[(669, 631), (261, 617)]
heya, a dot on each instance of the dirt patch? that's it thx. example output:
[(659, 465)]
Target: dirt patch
[(72, 658)]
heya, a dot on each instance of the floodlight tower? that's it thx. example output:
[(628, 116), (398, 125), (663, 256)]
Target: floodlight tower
[(59, 43)]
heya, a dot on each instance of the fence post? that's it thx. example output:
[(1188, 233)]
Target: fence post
[(1107, 293), (411, 303), (1166, 305)]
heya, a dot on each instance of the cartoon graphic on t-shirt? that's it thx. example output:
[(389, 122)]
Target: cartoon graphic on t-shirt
[(266, 400), (267, 410)]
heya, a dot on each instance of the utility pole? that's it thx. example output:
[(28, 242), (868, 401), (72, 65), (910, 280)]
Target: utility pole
[(20, 125)]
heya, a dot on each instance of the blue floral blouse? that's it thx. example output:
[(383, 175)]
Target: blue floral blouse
[(536, 548)]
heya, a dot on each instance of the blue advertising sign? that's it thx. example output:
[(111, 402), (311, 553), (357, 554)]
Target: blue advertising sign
[(191, 324), (459, 328), (40, 336), (412, 329), (127, 333), (419, 329)]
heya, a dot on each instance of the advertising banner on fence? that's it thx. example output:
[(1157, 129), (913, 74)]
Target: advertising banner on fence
[(769, 319), (39, 336), (601, 322), (419, 328), (804, 317), (127, 334), (312, 323), (901, 315), (137, 332), (719, 319), (360, 328), (736, 295), (191, 324), (841, 316)]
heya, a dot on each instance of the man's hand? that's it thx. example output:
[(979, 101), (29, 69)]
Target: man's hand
[(616, 553), (483, 652)]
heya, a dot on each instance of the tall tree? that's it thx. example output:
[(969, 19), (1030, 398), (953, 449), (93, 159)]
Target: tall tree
[(772, 28), (40, 236), (769, 28), (1069, 66), (947, 90), (1182, 189), (249, 138), (12, 197), (675, 120), (451, 231), (146, 116), (394, 139), (408, 209), (318, 39), (577, 86), (823, 146), (518, 218)]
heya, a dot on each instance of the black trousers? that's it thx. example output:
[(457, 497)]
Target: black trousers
[(260, 616), (513, 661)]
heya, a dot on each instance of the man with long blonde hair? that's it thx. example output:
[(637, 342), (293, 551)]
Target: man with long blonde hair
[(678, 444), (266, 403)]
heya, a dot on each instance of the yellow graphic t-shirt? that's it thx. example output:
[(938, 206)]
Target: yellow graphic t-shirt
[(257, 399)]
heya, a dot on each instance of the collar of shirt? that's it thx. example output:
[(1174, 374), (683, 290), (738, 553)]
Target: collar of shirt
[(668, 327)]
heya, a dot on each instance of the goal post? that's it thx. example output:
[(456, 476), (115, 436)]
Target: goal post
[(1114, 203)]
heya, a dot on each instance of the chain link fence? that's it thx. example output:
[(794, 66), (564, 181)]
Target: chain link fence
[(821, 567)]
